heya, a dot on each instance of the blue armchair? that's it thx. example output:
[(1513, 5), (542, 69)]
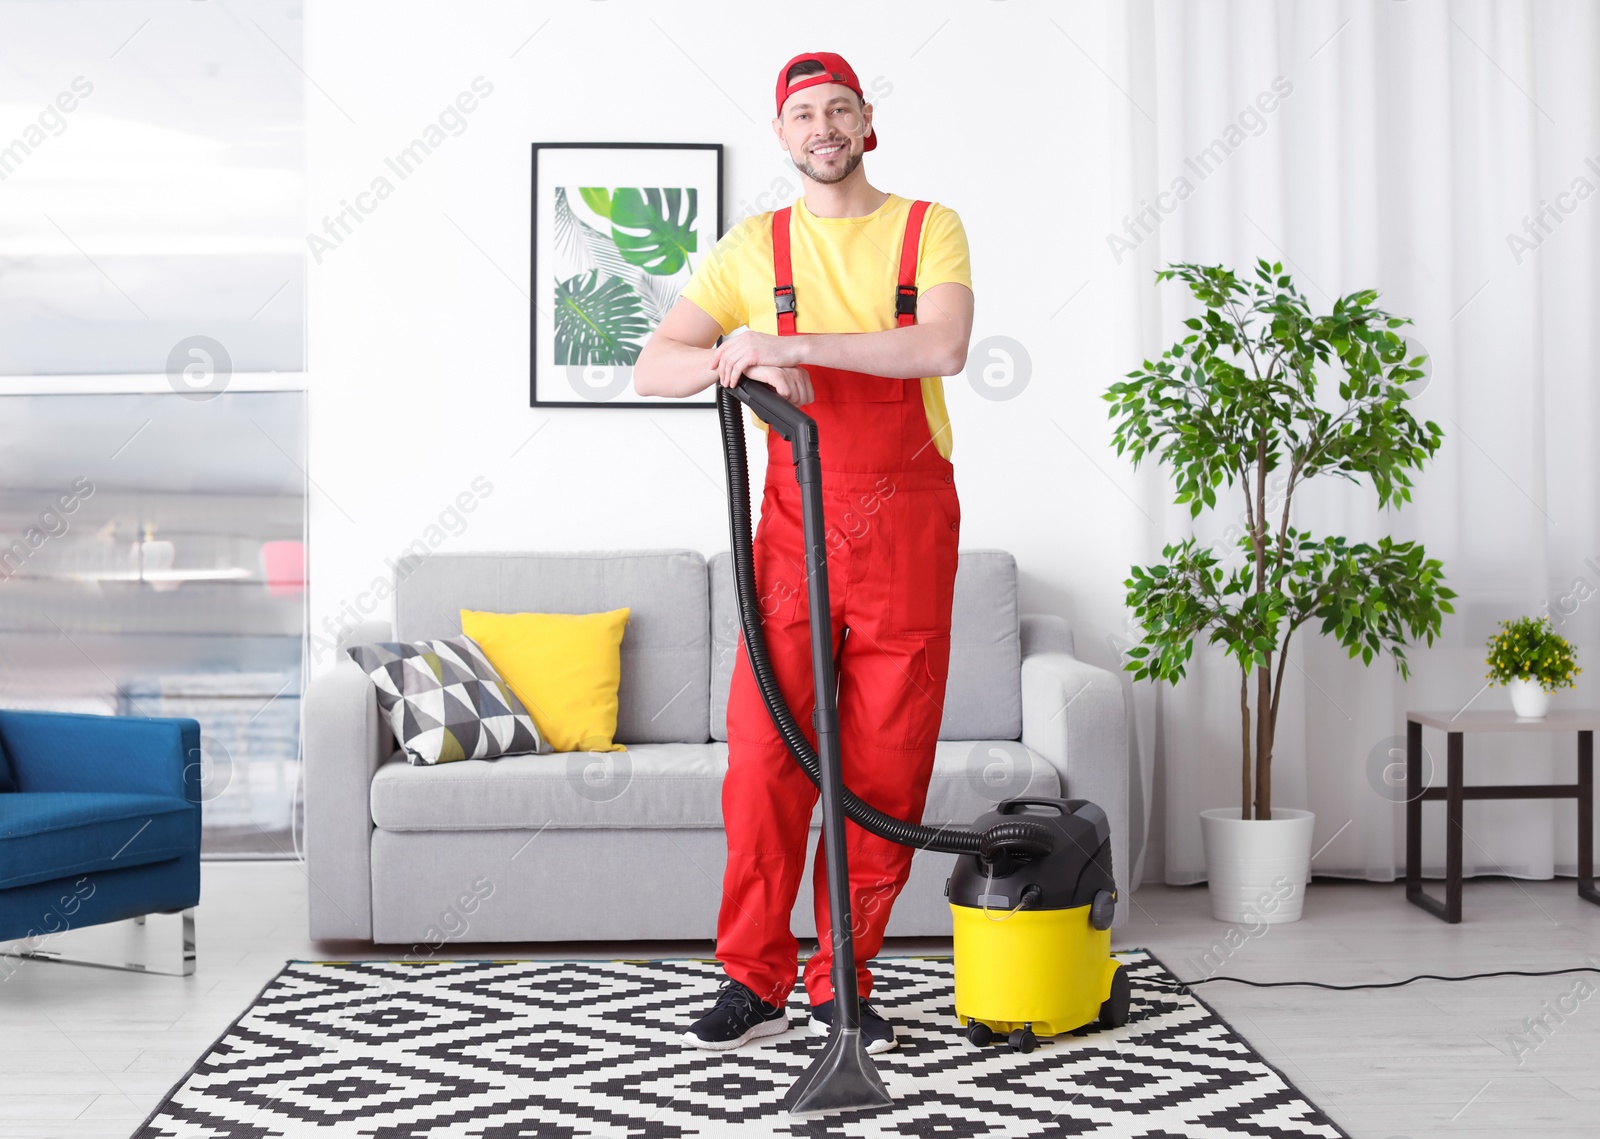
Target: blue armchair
[(99, 822)]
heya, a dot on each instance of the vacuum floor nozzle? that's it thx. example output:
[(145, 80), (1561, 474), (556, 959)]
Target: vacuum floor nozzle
[(841, 1078)]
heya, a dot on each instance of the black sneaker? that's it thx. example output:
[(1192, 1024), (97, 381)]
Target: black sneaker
[(739, 1015), (876, 1033)]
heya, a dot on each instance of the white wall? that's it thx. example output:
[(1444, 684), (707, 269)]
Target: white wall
[(418, 320)]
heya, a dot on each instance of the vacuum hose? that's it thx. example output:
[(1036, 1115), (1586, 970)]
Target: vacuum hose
[(995, 846)]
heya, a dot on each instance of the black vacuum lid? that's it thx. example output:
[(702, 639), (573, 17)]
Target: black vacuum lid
[(1070, 875)]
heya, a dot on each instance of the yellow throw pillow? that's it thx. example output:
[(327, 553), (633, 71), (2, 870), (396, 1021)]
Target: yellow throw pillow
[(564, 667)]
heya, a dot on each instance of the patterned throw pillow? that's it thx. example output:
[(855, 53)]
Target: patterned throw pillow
[(446, 702)]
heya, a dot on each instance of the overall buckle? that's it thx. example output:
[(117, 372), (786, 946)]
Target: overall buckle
[(783, 297), (905, 300)]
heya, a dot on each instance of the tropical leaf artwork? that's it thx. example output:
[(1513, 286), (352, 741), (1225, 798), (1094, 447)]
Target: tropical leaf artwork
[(657, 295), (598, 320), (581, 246), (622, 259), (654, 229)]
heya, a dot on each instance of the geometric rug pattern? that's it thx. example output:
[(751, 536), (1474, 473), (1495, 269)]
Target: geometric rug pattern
[(485, 1049)]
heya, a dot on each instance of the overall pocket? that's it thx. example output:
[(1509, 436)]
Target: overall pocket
[(927, 530)]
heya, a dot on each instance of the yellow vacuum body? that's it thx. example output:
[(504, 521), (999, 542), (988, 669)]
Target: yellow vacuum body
[(1033, 937)]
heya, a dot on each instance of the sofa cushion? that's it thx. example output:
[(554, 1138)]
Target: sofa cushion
[(983, 694), (724, 639), (445, 701), (54, 834), (656, 787), (663, 695)]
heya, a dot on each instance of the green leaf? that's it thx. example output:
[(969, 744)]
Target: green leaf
[(597, 321), (597, 198), (654, 229)]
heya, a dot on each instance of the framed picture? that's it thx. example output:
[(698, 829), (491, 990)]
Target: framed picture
[(618, 229)]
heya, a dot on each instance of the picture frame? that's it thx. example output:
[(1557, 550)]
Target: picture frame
[(618, 228)]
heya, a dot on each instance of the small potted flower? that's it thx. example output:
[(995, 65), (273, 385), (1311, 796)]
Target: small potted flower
[(1533, 660)]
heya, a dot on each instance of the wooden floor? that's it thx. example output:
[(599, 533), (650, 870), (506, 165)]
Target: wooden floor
[(89, 1052)]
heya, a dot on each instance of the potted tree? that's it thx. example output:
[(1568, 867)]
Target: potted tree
[(1237, 402)]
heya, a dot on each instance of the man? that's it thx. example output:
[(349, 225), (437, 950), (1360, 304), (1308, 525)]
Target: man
[(856, 302)]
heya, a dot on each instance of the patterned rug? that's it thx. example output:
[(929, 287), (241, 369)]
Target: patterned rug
[(570, 1049)]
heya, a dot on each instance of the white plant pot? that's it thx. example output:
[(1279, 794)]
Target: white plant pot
[(1528, 699), (1256, 869)]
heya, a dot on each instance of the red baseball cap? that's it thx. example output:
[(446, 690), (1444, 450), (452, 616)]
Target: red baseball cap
[(834, 70)]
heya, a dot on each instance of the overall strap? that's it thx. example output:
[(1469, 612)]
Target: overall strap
[(782, 272), (905, 293)]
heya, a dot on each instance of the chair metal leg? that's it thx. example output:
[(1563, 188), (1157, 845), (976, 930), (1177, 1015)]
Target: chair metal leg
[(133, 945)]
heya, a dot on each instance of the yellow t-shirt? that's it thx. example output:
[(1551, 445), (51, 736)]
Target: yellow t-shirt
[(845, 272)]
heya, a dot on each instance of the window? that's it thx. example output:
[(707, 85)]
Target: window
[(152, 187)]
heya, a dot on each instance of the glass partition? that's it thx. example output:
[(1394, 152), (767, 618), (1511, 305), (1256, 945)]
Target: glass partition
[(152, 563)]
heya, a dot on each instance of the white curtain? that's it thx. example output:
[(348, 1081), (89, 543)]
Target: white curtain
[(1410, 146)]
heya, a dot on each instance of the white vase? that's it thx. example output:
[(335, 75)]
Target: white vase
[(1528, 699), (1256, 869)]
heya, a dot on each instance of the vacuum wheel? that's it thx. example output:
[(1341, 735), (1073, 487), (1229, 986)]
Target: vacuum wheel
[(1103, 909), (1023, 1040), (1114, 1009), (979, 1033)]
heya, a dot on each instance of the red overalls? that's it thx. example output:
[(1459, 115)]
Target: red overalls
[(893, 520)]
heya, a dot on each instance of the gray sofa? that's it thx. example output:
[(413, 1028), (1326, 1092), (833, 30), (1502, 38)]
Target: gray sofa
[(629, 845)]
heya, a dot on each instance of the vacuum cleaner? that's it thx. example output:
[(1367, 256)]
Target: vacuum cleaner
[(1032, 938), (1032, 892)]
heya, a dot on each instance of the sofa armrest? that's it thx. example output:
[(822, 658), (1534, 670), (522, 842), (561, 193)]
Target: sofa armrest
[(75, 751), (345, 741), (1046, 633), (1074, 716)]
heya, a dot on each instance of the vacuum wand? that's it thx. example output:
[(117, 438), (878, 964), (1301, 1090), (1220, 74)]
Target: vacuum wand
[(841, 1077)]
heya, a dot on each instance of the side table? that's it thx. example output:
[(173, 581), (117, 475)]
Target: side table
[(1455, 725)]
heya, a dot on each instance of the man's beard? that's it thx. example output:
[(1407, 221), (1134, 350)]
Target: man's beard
[(813, 173)]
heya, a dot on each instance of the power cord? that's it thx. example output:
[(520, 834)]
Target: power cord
[(1185, 986)]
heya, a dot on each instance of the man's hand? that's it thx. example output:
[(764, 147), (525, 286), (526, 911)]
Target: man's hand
[(793, 384), (751, 349)]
